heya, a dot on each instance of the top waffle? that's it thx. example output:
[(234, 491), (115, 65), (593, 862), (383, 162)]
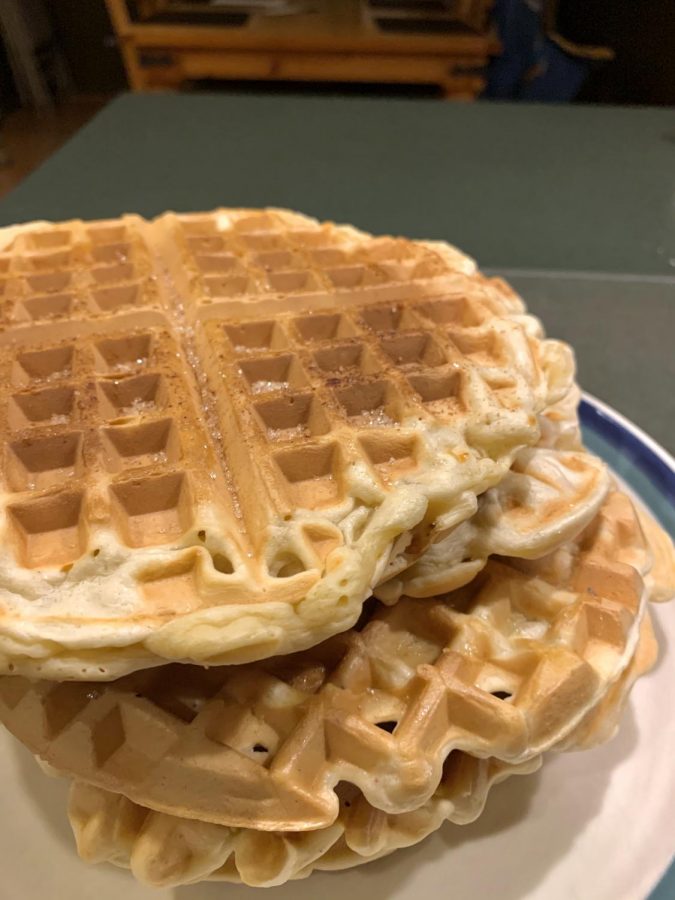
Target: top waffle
[(219, 428)]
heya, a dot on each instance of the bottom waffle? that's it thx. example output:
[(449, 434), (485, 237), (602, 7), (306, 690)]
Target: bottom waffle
[(165, 850)]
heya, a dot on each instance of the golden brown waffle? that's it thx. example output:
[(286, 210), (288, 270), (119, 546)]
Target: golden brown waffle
[(165, 850), (220, 427), (505, 667)]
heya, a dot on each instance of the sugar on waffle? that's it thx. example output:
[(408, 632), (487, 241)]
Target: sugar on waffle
[(505, 667), (219, 427), (165, 850)]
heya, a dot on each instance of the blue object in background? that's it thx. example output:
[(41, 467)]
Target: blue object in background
[(531, 65)]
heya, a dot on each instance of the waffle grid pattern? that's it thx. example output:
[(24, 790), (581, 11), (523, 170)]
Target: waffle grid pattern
[(76, 270), (238, 444), (250, 254), (98, 428), (308, 379), (367, 387)]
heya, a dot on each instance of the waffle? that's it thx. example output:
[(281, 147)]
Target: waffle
[(551, 492), (505, 667), (219, 428), (602, 722), (661, 576), (164, 850)]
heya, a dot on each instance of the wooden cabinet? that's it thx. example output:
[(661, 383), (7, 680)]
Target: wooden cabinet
[(166, 44)]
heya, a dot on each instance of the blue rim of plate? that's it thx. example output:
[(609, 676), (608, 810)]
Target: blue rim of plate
[(642, 463), (649, 470)]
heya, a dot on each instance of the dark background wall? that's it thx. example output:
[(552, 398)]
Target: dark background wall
[(641, 33), (85, 35)]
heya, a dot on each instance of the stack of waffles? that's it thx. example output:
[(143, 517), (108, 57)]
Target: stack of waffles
[(301, 550)]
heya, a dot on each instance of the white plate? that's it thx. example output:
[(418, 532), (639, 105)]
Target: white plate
[(597, 825)]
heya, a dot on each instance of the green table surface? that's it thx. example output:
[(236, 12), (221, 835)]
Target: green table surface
[(575, 205), (554, 193), (524, 186)]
